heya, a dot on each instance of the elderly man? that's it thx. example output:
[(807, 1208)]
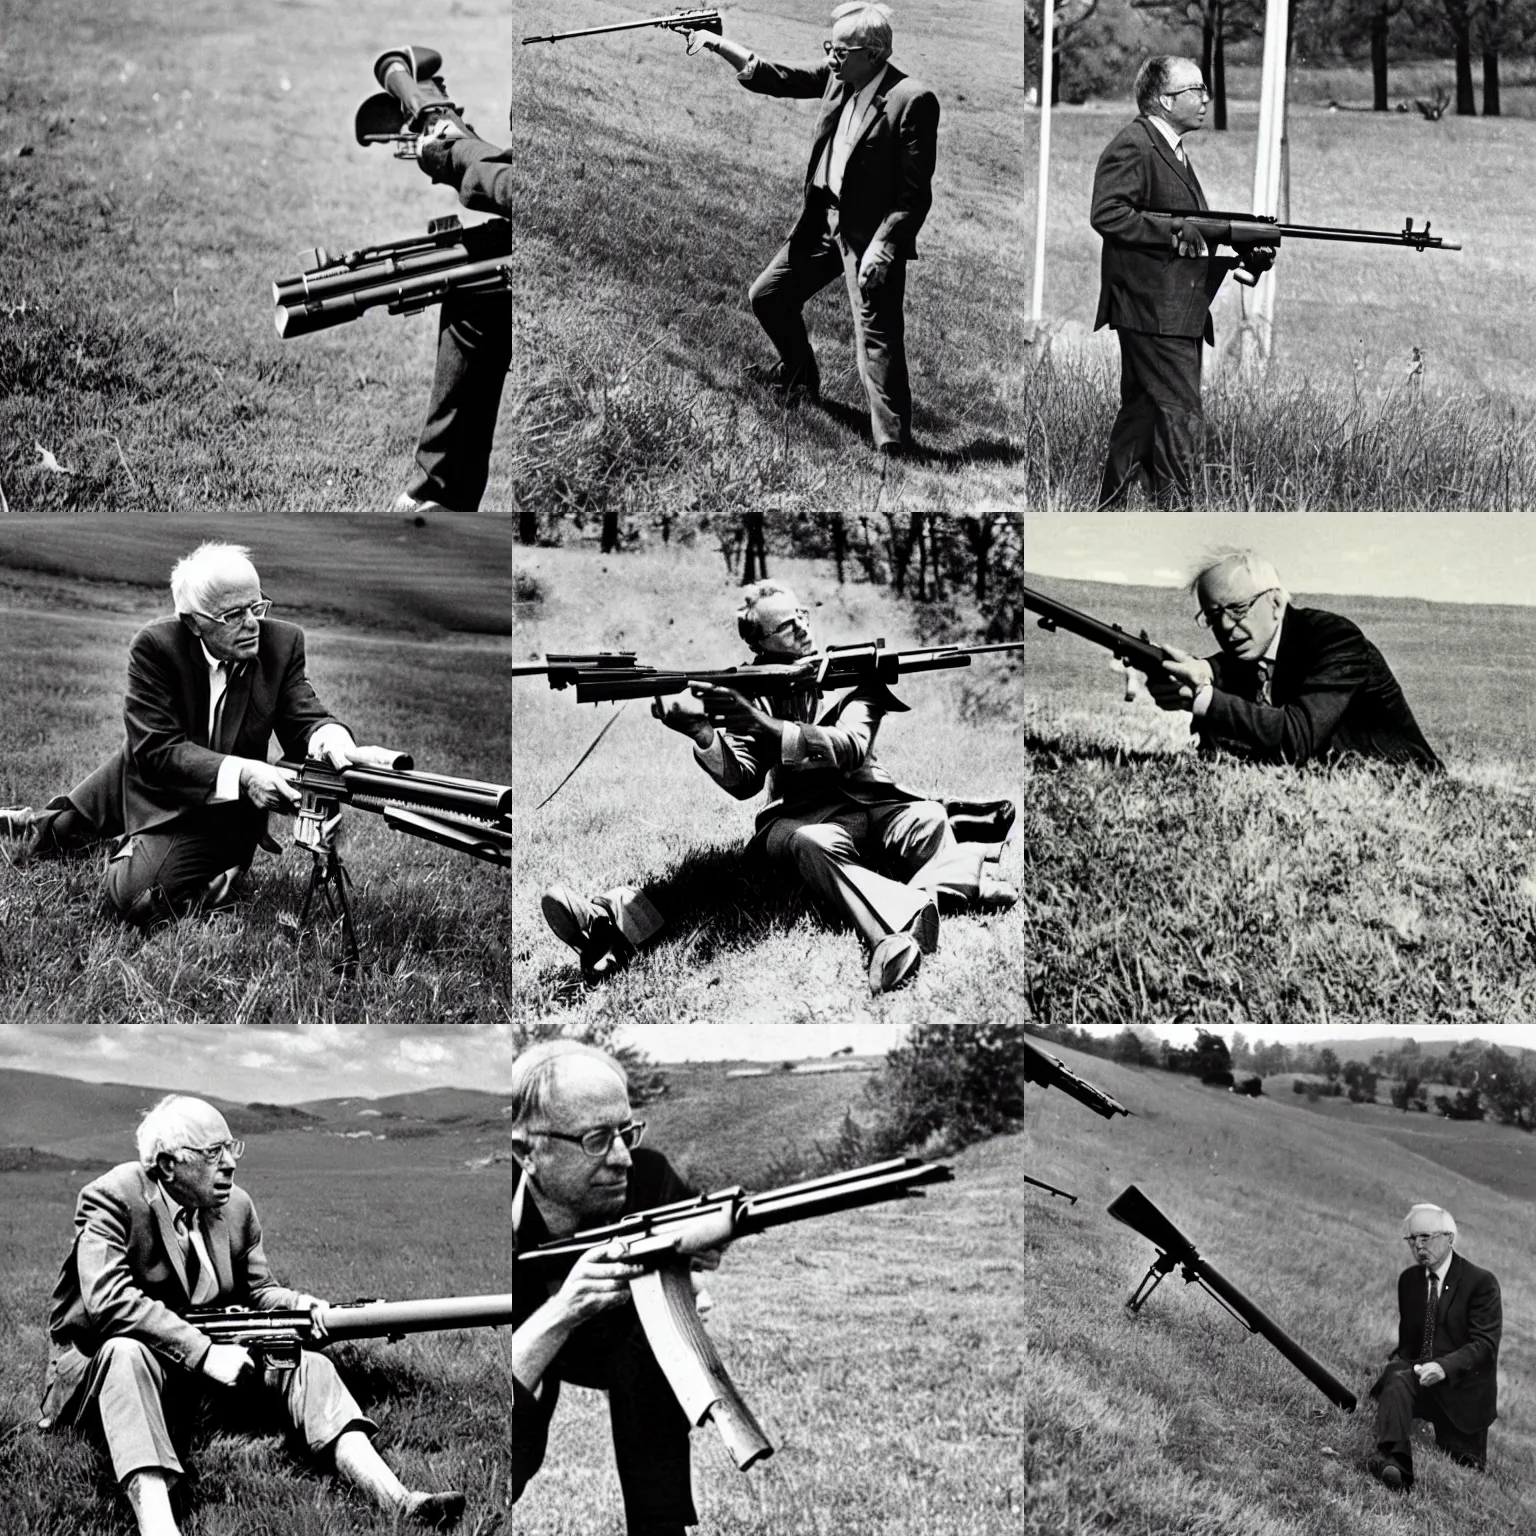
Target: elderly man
[(185, 798), (1289, 684), (154, 1239), (832, 810), (868, 188), (1445, 1366), (576, 1143), (1156, 284)]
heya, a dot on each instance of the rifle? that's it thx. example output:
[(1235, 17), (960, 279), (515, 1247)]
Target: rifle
[(1142, 654), (570, 662), (681, 21), (405, 275), (275, 1338), (1051, 1072), (413, 101), (1140, 1215), (1243, 231), (463, 814), (839, 666), (665, 1239)]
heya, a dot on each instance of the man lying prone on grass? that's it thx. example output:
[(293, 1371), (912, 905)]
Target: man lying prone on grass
[(183, 801)]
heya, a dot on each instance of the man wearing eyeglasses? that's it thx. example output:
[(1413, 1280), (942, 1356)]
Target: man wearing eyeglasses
[(577, 1147), (1445, 1366), (1289, 684), (879, 857), (1156, 284), (155, 1239), (868, 188), (186, 796)]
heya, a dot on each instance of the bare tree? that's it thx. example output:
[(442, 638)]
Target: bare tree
[(1071, 15)]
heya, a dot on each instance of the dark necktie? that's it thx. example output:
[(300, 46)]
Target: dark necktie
[(1265, 669), (1427, 1349), (225, 671), (202, 1283)]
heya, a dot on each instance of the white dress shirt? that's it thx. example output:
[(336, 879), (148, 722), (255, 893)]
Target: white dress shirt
[(1174, 137), (850, 123), (1203, 697)]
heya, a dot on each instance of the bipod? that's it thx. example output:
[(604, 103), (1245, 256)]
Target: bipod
[(329, 877)]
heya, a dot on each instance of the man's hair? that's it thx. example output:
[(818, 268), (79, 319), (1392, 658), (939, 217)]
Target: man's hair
[(1258, 568), (534, 1074), (746, 616), (1439, 1218), (1153, 77), (196, 577), (167, 1127), (869, 25)]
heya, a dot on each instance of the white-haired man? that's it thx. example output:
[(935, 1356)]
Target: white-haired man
[(155, 1239), (576, 1144), (1156, 285), (1445, 1366), (868, 188), (1289, 684), (832, 810), (186, 796)]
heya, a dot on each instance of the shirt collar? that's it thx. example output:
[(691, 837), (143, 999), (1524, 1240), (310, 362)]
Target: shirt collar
[(867, 92), (213, 661), (1173, 136), (174, 1208), (1273, 649), (1442, 1269)]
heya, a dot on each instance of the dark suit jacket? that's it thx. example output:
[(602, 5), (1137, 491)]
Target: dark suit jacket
[(166, 768), (1469, 1319), (888, 184), (125, 1276), (1144, 285), (837, 761), (1332, 693)]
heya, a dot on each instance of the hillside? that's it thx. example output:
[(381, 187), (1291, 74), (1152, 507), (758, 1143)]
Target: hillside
[(899, 1357)]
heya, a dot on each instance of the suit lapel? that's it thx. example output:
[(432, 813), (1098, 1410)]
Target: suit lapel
[(166, 1225), (194, 669), (875, 109), (217, 1234), (1184, 172), (831, 110)]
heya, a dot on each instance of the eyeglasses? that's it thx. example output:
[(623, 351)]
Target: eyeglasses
[(1205, 95), (257, 610), (1233, 613), (236, 1150), (1424, 1237), (598, 1142), (837, 53)]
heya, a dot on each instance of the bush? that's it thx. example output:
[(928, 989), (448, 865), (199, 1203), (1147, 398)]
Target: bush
[(1467, 1105), (1252, 1087)]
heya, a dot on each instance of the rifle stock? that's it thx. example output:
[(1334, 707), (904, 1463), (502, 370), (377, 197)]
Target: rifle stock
[(1175, 1250)]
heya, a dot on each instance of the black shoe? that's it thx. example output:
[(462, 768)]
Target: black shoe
[(1390, 1473), (435, 1511), (898, 448), (980, 821), (605, 951), (797, 385)]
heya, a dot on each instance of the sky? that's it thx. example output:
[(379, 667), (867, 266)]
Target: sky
[(1454, 557)]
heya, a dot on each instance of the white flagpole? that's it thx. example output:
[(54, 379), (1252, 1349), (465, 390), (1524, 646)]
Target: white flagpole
[(1266, 171), (1047, 48)]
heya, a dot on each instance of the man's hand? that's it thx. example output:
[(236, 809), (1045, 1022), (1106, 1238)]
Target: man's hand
[(267, 787), (1429, 1373), (1257, 259), (1182, 678), (598, 1283), (227, 1363), (331, 747), (315, 1307), (684, 715), (729, 711), (875, 266), (1188, 241)]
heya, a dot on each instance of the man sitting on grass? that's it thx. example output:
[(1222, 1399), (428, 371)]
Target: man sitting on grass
[(576, 1143), (184, 800), (1289, 684), (880, 857), (154, 1239)]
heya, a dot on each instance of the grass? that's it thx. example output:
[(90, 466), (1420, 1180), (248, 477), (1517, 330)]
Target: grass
[(341, 1218), (743, 947), (1163, 888), (902, 1359)]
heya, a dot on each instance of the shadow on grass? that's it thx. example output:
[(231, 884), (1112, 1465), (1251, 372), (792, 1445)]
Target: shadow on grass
[(1058, 752)]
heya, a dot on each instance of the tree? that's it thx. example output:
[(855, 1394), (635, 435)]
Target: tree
[(1210, 1057), (1501, 26), (1128, 1048), (1328, 1064), (1349, 26), (1453, 19), (1220, 22)]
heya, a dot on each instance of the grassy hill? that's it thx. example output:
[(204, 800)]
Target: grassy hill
[(899, 1358), (1166, 889)]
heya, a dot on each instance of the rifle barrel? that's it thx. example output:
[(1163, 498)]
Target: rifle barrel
[(378, 1319), (400, 294), (1141, 654), (1050, 1072), (700, 20)]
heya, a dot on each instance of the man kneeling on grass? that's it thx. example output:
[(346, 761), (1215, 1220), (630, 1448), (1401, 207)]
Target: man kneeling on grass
[(880, 857), (1288, 684), (184, 800), (577, 1144), (154, 1239)]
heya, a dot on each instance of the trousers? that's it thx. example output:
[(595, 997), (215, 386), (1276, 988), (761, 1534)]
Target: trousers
[(1158, 434), (1402, 1400), (133, 1394), (836, 847), (802, 267)]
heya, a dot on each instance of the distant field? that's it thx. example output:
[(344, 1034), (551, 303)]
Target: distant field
[(895, 1394), (1166, 889), (343, 1224)]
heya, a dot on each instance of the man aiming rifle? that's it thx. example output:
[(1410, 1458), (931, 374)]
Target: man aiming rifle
[(154, 1240), (880, 857)]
